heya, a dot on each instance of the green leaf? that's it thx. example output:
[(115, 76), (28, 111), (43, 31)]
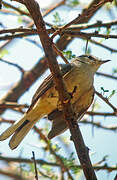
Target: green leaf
[(108, 31), (70, 163), (56, 147), (112, 94), (114, 71), (20, 21), (57, 19), (72, 3), (68, 54), (3, 53)]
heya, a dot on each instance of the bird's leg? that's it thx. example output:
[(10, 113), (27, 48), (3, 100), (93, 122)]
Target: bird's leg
[(73, 92)]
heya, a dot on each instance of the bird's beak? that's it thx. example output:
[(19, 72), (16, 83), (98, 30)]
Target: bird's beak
[(105, 61)]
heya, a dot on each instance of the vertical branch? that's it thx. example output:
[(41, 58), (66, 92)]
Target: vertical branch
[(82, 152), (35, 165)]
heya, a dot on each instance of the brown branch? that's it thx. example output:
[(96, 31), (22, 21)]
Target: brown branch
[(82, 153), (8, 37), (93, 113), (89, 35), (28, 161), (4, 44), (15, 8), (20, 1), (53, 7), (103, 45), (87, 13), (99, 125), (69, 29), (30, 77), (107, 102), (58, 52), (62, 43), (93, 25), (52, 151), (58, 159), (42, 162), (28, 32), (13, 64), (12, 105), (6, 121), (15, 92), (35, 165), (15, 30), (106, 75), (106, 167), (12, 175), (67, 33), (46, 12)]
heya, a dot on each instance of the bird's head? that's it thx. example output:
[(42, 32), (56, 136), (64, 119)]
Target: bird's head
[(92, 61)]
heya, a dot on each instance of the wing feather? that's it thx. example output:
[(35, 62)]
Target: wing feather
[(48, 83)]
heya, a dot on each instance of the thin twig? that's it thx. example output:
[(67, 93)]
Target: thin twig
[(60, 53), (12, 175), (105, 114), (112, 50), (98, 24), (89, 35), (107, 102), (99, 125), (96, 166), (53, 7), (28, 161), (67, 33), (35, 165), (15, 8), (52, 151), (4, 44), (86, 48), (12, 105), (13, 64), (106, 75), (85, 15)]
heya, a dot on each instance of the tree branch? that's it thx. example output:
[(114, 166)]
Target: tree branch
[(42, 162), (33, 7), (87, 13), (107, 102)]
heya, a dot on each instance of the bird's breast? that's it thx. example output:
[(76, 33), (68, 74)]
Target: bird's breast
[(78, 82)]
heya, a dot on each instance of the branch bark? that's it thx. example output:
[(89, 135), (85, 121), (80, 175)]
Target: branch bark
[(82, 152)]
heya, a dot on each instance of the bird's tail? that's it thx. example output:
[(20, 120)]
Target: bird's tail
[(19, 130)]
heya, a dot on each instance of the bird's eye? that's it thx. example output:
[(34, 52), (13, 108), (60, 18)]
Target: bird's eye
[(91, 58)]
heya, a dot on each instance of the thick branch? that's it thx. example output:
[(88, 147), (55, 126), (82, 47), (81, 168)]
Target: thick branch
[(34, 10)]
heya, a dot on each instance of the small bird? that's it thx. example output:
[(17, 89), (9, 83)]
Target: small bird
[(78, 77)]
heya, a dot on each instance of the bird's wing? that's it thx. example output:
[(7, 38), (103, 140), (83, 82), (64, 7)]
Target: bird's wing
[(48, 83), (80, 106)]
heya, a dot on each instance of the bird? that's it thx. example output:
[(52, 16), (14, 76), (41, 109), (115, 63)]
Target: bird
[(78, 76)]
